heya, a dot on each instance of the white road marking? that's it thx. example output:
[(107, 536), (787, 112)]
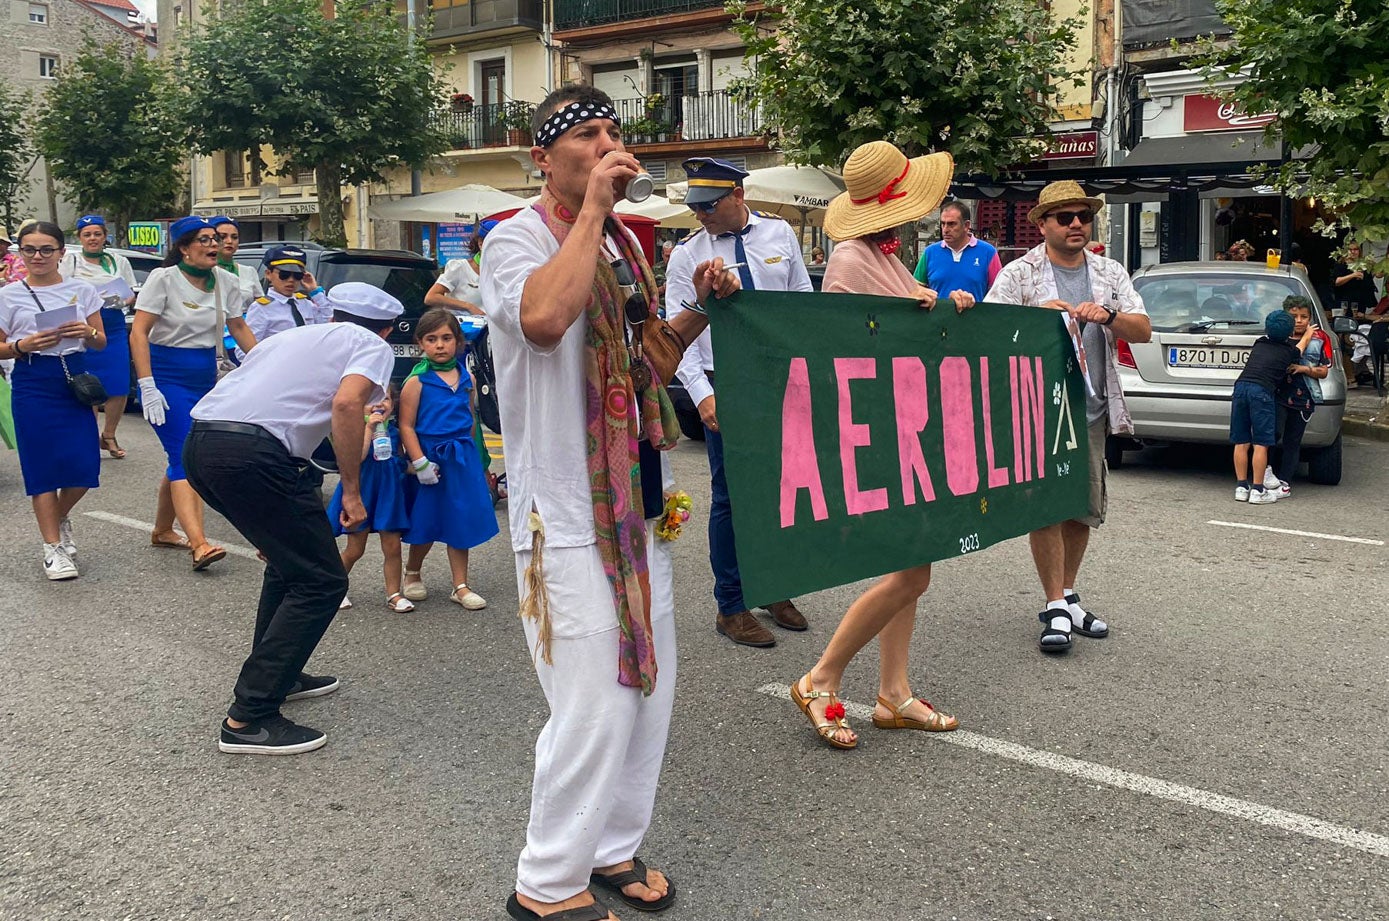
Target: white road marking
[(1369, 842), (147, 527), (1260, 527)]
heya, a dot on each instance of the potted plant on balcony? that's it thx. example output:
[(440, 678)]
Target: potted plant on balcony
[(461, 102), (516, 116), (645, 130)]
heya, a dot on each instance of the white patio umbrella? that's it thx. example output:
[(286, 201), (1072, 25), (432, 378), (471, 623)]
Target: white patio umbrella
[(661, 210), (464, 204), (792, 192)]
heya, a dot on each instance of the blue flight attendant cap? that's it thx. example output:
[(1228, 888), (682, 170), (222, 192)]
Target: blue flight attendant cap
[(485, 228), (221, 219), (187, 225), (711, 179), (89, 220)]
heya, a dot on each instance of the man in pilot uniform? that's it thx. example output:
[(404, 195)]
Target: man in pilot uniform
[(286, 303), (770, 254)]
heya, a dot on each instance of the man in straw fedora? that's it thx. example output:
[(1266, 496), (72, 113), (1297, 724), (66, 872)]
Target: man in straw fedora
[(770, 255), (584, 416), (883, 190), (1095, 291)]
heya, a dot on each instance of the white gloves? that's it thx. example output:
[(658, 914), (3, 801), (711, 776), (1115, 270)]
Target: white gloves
[(152, 401), (426, 471)]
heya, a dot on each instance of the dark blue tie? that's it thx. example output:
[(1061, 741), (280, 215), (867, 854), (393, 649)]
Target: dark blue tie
[(741, 255)]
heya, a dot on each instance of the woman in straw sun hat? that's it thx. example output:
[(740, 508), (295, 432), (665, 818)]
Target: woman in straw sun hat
[(884, 190)]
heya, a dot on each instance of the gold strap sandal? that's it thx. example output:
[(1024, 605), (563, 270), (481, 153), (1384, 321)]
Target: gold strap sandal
[(834, 713), (936, 722)]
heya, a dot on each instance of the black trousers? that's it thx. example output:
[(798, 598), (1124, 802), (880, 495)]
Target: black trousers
[(272, 499)]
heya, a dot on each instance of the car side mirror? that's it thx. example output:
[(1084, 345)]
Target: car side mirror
[(1344, 325)]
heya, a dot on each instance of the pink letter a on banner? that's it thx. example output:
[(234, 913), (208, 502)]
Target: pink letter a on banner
[(799, 468)]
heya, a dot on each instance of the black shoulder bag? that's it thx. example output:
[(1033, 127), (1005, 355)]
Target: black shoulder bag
[(86, 387)]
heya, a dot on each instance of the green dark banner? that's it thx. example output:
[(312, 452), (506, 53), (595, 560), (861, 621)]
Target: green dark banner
[(863, 435)]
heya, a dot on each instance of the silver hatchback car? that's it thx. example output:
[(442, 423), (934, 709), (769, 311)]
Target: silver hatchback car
[(1206, 317)]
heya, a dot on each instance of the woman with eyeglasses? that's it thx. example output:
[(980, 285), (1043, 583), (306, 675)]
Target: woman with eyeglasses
[(58, 456), (92, 264), (178, 323)]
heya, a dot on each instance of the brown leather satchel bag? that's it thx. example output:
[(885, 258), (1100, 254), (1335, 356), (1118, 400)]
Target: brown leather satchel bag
[(664, 346)]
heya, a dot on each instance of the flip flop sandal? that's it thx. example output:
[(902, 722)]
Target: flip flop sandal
[(593, 912), (936, 722), (207, 559), (826, 730), (615, 881), (399, 603), (164, 544)]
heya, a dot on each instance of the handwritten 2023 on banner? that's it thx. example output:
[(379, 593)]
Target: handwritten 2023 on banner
[(863, 435)]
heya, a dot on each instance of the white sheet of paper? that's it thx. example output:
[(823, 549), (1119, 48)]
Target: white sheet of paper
[(115, 286), (1073, 327), (52, 319)]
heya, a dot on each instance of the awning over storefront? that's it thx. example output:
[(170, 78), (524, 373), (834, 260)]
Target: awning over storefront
[(271, 209), (1214, 165)]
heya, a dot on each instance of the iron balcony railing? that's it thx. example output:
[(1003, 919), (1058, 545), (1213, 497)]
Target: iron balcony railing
[(503, 125), (480, 16), (576, 14), (689, 117)]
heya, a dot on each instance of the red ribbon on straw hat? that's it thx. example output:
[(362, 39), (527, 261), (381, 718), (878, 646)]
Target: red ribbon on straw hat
[(888, 193)]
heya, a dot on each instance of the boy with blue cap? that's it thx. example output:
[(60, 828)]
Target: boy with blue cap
[(768, 254), (293, 296), (1253, 413), (246, 455)]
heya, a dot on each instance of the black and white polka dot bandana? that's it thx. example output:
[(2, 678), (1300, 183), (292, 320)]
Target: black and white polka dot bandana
[(566, 117)]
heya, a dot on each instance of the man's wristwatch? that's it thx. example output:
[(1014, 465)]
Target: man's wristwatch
[(1109, 320)]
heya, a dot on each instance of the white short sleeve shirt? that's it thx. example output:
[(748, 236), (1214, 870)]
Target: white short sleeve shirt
[(461, 281), (287, 383), (18, 310), (541, 392), (187, 316)]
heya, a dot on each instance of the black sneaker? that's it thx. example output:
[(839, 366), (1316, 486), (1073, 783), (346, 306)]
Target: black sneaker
[(273, 735), (308, 686)]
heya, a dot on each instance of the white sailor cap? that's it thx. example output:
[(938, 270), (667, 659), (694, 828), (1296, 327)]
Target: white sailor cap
[(363, 300)]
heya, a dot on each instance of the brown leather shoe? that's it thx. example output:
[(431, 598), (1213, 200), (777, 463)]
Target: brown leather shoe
[(787, 616), (743, 629)]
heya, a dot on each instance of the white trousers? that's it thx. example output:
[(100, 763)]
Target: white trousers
[(598, 759)]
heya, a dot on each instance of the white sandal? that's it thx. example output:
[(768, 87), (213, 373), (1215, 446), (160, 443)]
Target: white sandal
[(345, 603), (399, 603), (415, 591), (467, 597)]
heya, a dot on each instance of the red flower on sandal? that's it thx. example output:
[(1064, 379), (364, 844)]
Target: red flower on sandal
[(834, 711)]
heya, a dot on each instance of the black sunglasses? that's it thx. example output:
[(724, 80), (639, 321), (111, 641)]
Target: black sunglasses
[(704, 207), (284, 274), (1064, 218)]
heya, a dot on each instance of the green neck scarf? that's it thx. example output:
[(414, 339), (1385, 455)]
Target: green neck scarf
[(101, 259), (203, 275), (427, 365), (228, 264)]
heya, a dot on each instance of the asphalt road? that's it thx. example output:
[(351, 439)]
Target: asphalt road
[(1221, 755)]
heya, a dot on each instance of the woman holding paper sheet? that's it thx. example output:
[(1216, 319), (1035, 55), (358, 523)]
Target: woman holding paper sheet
[(57, 453), (94, 265), (885, 190)]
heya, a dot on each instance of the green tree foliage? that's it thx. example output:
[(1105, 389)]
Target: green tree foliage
[(979, 79), (348, 97), (16, 153), (110, 135), (1320, 65)]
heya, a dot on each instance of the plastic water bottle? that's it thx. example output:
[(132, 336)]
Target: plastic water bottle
[(381, 444)]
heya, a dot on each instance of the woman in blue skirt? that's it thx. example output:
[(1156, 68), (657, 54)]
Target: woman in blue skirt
[(112, 364), (452, 503), (58, 456), (178, 323)]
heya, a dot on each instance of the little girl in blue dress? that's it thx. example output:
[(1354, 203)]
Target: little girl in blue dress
[(452, 503), (386, 488)]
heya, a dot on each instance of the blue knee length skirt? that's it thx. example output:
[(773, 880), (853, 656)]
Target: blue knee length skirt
[(56, 435), (184, 376)]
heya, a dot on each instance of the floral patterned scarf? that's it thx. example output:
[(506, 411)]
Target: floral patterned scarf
[(612, 411)]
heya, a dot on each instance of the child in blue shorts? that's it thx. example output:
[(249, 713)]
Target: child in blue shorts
[(1253, 414)]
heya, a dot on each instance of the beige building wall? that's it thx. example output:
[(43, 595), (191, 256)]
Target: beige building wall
[(1075, 101)]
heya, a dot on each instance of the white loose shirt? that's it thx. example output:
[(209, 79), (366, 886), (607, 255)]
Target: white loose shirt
[(186, 317), (250, 285), (18, 310), (774, 260), (75, 265), (461, 282), (541, 392), (286, 384)]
